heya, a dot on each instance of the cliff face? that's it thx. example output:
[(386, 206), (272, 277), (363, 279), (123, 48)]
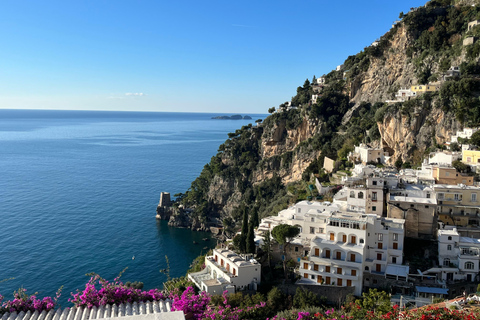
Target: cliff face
[(255, 164)]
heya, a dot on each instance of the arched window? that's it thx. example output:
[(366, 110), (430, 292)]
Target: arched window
[(360, 195), (469, 265), (352, 194), (362, 241), (446, 262)]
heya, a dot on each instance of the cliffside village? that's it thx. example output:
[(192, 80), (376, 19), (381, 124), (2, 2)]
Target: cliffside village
[(357, 240)]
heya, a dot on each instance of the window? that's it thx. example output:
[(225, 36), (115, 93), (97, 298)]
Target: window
[(327, 254), (449, 238), (428, 195), (299, 210), (379, 256), (474, 197), (394, 259), (327, 269), (362, 241), (315, 267), (469, 265), (353, 240), (412, 206), (312, 230), (339, 255), (317, 252), (446, 262), (395, 237), (374, 196), (339, 282), (352, 257), (344, 238), (441, 196), (305, 265), (332, 236), (380, 237), (374, 182), (305, 275), (312, 219), (395, 245), (339, 270), (374, 208), (449, 247), (296, 249), (380, 245), (327, 280), (312, 277), (426, 207), (354, 272), (457, 197), (352, 194), (321, 230), (360, 195)]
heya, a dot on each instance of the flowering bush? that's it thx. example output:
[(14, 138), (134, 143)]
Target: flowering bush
[(23, 302), (114, 292), (190, 303)]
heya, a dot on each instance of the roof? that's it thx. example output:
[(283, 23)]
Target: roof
[(156, 310), (431, 290)]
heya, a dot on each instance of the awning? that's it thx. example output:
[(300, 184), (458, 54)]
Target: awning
[(431, 290), (397, 270)]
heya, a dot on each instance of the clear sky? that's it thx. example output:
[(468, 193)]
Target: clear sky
[(194, 56)]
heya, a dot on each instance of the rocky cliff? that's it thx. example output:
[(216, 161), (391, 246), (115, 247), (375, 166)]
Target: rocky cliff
[(256, 165)]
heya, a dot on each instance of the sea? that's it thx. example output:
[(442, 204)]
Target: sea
[(79, 190)]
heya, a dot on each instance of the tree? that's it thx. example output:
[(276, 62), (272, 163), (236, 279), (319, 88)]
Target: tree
[(373, 300), (243, 239), (460, 166), (250, 245), (267, 247), (304, 298), (398, 163), (271, 110), (258, 120), (475, 138), (284, 234), (314, 80)]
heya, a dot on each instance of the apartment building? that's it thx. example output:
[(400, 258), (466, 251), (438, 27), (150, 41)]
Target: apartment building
[(225, 270), (351, 244), (458, 205), (458, 257)]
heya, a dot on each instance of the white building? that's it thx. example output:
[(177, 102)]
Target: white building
[(315, 97), (367, 154), (465, 134), (321, 80), (349, 245), (225, 270), (458, 257), (444, 158), (404, 94), (339, 67), (365, 198)]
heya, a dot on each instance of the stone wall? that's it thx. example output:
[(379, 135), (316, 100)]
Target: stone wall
[(333, 294)]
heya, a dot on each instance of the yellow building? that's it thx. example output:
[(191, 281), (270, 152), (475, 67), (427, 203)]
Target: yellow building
[(449, 175), (422, 88), (458, 205), (471, 157)]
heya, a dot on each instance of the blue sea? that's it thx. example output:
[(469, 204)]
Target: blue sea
[(79, 189)]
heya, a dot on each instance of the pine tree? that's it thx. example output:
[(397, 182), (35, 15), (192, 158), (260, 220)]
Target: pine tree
[(251, 238), (243, 239)]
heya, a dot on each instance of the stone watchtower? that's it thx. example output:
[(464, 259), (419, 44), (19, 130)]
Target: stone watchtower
[(164, 199)]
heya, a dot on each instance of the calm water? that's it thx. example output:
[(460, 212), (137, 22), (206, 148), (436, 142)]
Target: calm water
[(79, 189)]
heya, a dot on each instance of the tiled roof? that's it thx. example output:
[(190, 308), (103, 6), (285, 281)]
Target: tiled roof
[(147, 310)]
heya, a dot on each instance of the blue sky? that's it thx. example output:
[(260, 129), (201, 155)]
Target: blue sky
[(192, 56)]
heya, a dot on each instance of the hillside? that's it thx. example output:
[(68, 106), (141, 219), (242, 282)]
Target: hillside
[(264, 168)]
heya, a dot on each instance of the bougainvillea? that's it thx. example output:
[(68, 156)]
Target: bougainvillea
[(100, 292), (23, 302)]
